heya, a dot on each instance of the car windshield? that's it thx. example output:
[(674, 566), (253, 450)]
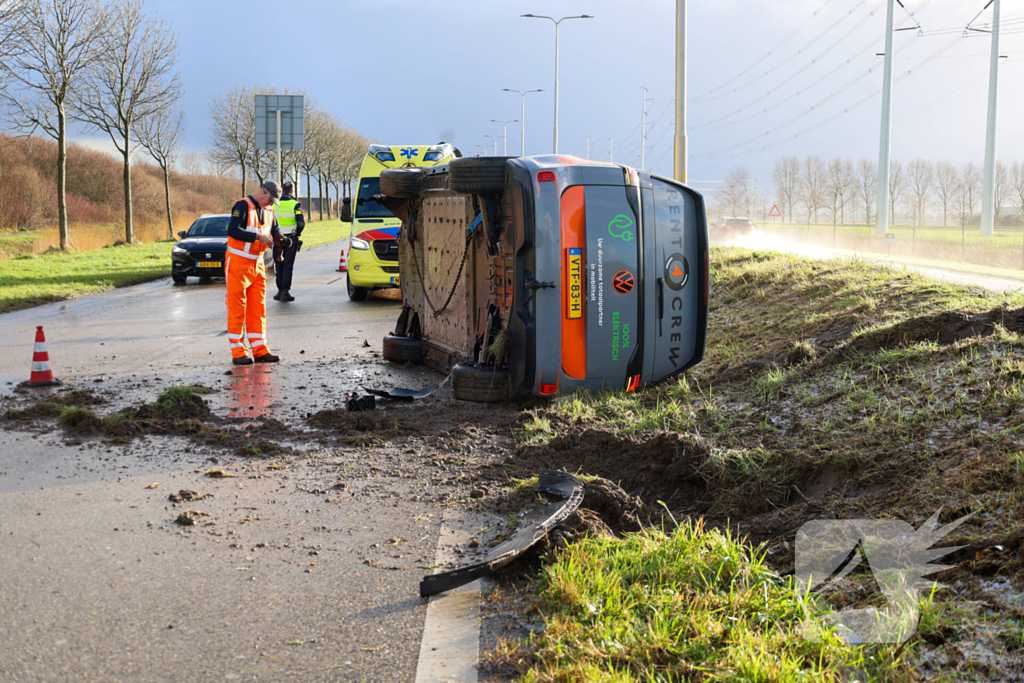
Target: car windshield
[(739, 221), (370, 209), (216, 226)]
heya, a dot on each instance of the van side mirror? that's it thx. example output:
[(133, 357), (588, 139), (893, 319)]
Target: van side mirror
[(182, 233), (346, 210)]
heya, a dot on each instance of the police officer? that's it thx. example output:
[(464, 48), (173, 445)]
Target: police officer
[(290, 219)]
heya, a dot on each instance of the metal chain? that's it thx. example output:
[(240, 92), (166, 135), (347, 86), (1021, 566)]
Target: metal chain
[(438, 311)]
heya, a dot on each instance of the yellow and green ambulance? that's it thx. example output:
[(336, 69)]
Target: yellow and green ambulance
[(373, 249)]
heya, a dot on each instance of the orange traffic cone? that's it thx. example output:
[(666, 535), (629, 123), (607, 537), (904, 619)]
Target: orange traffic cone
[(41, 375), (342, 266)]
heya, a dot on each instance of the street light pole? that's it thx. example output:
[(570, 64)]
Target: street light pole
[(988, 187), (522, 118), (504, 133), (680, 152), (495, 138), (556, 23), (882, 209)]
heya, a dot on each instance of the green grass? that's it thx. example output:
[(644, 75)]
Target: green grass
[(31, 281), (324, 232), (694, 604)]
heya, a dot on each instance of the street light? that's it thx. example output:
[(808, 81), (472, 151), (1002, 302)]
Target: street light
[(522, 118), (504, 133), (484, 148), (495, 138), (556, 23)]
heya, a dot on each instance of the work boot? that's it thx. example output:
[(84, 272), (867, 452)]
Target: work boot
[(277, 297), (242, 360), (286, 296), (267, 358)]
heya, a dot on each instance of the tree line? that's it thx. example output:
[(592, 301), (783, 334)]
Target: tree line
[(840, 190), (331, 154), (103, 64)]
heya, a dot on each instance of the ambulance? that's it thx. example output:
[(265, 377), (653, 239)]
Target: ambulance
[(373, 248)]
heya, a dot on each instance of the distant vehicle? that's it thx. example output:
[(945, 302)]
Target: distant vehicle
[(200, 253), (538, 276), (373, 250), (729, 227)]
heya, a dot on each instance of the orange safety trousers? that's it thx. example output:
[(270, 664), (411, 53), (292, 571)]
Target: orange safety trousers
[(247, 305)]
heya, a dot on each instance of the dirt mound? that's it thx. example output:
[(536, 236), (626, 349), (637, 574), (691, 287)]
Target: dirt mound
[(663, 467), (943, 328), (176, 404), (606, 511)]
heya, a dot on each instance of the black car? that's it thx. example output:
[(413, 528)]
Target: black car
[(200, 253)]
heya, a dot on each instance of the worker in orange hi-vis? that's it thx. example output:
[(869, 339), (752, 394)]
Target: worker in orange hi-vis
[(251, 231)]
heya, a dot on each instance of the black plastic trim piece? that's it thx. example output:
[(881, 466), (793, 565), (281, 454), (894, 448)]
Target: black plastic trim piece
[(539, 521)]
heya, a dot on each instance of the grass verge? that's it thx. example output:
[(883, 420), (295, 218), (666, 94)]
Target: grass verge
[(830, 389), (33, 280)]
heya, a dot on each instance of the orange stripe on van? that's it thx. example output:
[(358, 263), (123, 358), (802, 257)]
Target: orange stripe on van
[(574, 235)]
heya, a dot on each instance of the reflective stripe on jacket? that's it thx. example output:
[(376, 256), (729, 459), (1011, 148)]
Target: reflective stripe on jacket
[(253, 250), (285, 213)]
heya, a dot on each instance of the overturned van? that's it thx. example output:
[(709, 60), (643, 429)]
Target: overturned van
[(536, 276)]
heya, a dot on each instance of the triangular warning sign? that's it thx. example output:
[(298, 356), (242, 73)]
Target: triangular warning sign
[(775, 213)]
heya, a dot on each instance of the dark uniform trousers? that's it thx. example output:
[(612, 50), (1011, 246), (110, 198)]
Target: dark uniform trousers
[(287, 265)]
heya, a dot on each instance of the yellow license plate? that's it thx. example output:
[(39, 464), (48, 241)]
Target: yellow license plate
[(210, 264), (574, 258), (395, 280)]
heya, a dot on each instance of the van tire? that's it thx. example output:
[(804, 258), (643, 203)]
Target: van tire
[(356, 293), (479, 384), (401, 182), (477, 175), (403, 349)]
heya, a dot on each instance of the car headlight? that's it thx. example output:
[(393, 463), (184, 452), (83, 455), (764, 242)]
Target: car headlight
[(360, 244), (179, 250)]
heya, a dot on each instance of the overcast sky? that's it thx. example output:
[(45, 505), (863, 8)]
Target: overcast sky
[(419, 71)]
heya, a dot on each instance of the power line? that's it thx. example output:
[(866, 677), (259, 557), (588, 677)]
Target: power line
[(766, 55)]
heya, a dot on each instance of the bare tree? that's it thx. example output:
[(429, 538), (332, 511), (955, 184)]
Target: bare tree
[(354, 148), (945, 187), (133, 78), (966, 198), (919, 175), (1002, 188), (786, 176), (160, 134), (12, 18), (192, 163), (838, 179), (233, 130), (867, 185), (735, 192), (897, 183), (1017, 188), (812, 186), (57, 41)]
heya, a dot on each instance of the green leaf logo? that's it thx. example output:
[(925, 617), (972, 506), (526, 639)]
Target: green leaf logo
[(619, 227)]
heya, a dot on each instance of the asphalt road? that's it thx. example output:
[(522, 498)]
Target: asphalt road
[(157, 325), (299, 570)]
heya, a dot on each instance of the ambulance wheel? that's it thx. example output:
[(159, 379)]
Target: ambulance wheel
[(179, 279), (356, 293), (482, 175), (403, 350), (401, 182), (479, 384)]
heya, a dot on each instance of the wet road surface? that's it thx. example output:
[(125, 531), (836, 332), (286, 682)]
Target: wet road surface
[(303, 568)]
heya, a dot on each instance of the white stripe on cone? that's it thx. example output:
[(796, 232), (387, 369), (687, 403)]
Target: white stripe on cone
[(40, 347), (40, 366)]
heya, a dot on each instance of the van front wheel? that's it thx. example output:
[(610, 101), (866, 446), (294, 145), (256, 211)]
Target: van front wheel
[(356, 293)]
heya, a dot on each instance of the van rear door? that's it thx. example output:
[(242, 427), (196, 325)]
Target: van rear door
[(676, 236)]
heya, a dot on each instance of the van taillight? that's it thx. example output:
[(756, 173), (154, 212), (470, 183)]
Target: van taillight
[(546, 177)]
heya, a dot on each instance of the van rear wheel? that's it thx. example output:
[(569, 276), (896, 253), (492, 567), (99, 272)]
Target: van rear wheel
[(479, 384), (401, 182), (402, 349), (477, 175)]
